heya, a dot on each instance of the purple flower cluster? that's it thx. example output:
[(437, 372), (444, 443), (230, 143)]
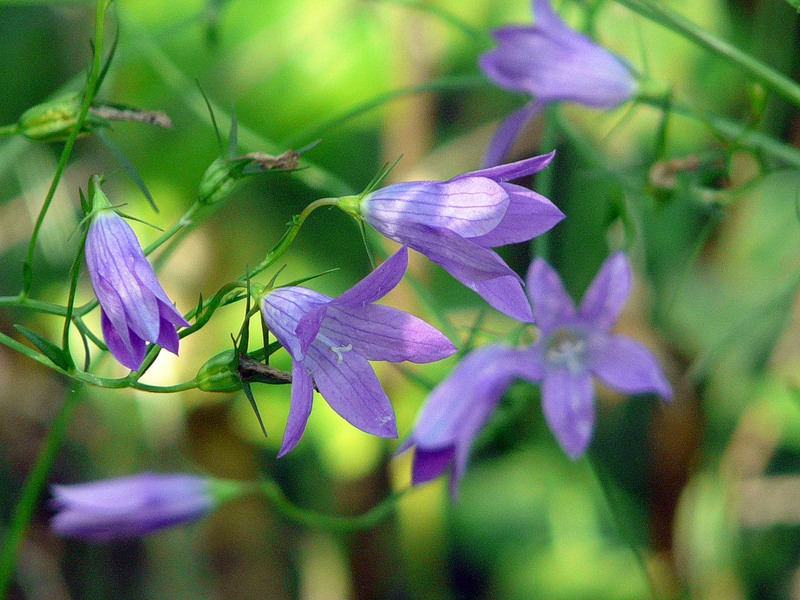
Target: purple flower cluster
[(575, 345), (551, 62), (455, 223)]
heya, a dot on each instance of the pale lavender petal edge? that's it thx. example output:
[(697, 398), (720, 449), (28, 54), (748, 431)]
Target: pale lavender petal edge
[(627, 366), (608, 293)]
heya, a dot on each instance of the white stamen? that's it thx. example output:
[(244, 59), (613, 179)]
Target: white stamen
[(567, 348), (339, 350)]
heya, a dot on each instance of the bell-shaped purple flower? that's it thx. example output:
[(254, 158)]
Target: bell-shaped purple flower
[(456, 223), (130, 506), (551, 62), (331, 341), (458, 408), (134, 307), (576, 344)]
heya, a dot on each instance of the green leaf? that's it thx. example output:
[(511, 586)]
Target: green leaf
[(117, 153), (46, 347), (249, 393), (213, 118)]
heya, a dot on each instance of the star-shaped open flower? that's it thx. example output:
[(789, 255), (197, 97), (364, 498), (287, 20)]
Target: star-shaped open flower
[(130, 506), (551, 62), (456, 223), (576, 344), (331, 341), (458, 408), (134, 308)]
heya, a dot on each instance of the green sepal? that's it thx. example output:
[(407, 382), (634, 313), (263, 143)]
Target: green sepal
[(249, 393), (58, 357)]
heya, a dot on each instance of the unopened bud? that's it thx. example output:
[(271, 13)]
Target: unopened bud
[(219, 374), (54, 121), (218, 181)]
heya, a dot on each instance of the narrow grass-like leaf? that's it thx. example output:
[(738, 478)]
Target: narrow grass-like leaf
[(46, 347), (118, 154)]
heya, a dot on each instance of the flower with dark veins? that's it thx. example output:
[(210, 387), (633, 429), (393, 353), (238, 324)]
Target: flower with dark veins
[(456, 223), (332, 340), (134, 308)]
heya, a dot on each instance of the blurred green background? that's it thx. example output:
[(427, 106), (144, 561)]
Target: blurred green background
[(696, 499)]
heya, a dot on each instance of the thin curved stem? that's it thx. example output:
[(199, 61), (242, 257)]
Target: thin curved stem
[(337, 523)]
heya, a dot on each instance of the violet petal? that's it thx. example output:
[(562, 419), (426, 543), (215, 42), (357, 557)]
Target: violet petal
[(349, 385), (627, 366), (300, 407), (378, 283), (468, 206), (385, 333), (568, 405), (552, 306), (528, 215), (607, 294)]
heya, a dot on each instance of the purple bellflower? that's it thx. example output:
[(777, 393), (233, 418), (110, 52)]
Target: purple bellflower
[(456, 223), (130, 506), (458, 408), (331, 341), (134, 307), (551, 62), (576, 344)]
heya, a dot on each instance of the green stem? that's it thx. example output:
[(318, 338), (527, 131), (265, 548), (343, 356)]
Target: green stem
[(619, 523), (656, 11), (88, 98), (743, 136), (75, 271), (37, 305), (337, 523), (32, 489), (288, 237), (6, 130)]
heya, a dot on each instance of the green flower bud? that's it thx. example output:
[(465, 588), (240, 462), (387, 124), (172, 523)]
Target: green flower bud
[(53, 121), (218, 181), (223, 174), (219, 374)]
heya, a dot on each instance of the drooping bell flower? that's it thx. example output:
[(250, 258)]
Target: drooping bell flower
[(332, 340), (551, 62), (135, 505), (134, 307), (577, 344), (456, 223)]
